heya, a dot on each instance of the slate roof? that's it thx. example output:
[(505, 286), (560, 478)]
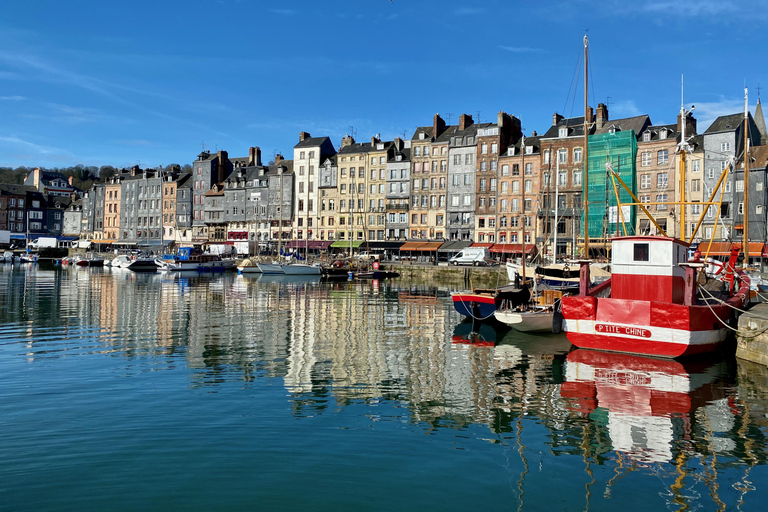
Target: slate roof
[(357, 147), (428, 131), (575, 127), (726, 123), (184, 181), (637, 123), (406, 152), (19, 190), (205, 155), (312, 142), (759, 157), (656, 130)]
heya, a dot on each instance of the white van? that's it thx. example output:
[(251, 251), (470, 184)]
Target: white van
[(471, 256)]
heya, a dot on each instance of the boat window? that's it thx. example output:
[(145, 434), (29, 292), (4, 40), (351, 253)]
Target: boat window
[(641, 252)]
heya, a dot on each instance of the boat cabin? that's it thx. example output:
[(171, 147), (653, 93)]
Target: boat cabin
[(648, 268)]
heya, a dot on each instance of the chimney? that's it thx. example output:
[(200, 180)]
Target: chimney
[(134, 170), (374, 140), (278, 158), (602, 115), (223, 158), (690, 125), (254, 156), (304, 136), (36, 177), (465, 121), (347, 141), (556, 118), (71, 181), (438, 126), (590, 116), (533, 133)]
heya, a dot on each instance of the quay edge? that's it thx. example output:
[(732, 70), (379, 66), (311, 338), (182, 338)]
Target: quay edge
[(753, 347)]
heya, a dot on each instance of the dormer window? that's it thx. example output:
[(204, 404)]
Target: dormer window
[(612, 129), (562, 132), (398, 158), (646, 136), (663, 134), (422, 135), (528, 150), (380, 146)]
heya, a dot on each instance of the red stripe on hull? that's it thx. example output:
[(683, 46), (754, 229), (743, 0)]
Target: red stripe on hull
[(485, 299), (638, 346)]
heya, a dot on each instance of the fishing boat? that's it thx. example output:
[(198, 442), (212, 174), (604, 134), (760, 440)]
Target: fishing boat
[(653, 303)]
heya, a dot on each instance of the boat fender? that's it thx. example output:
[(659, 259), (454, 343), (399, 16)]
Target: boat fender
[(567, 272), (557, 318)]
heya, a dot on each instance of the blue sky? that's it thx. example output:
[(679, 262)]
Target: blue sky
[(121, 83)]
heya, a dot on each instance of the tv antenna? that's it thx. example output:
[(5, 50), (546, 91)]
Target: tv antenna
[(450, 115), (352, 132), (478, 117)]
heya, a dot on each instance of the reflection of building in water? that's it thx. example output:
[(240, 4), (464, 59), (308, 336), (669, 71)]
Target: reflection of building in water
[(108, 300)]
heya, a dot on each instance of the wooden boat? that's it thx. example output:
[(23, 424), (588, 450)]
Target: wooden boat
[(532, 319), (481, 303)]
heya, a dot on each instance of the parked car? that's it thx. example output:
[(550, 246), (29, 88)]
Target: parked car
[(471, 256)]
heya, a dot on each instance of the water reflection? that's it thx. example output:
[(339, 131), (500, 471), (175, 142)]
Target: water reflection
[(335, 346)]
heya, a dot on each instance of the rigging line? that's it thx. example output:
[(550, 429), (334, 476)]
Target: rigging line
[(572, 87), (591, 77), (751, 333)]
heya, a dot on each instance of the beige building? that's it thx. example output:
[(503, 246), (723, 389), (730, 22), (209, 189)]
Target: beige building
[(112, 210), (353, 192), (426, 158), (377, 188), (308, 154)]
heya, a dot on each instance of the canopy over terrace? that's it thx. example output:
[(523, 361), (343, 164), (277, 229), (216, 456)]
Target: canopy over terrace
[(421, 248), (756, 249), (512, 249)]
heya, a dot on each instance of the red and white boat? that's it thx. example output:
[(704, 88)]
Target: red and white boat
[(651, 304)]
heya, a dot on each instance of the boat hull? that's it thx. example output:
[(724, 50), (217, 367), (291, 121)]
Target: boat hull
[(526, 321), (249, 269), (474, 305), (271, 268), (300, 269), (644, 327), (143, 265)]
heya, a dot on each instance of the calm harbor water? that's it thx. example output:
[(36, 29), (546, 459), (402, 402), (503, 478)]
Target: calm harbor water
[(125, 391)]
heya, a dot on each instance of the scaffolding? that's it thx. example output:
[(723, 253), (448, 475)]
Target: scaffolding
[(605, 220)]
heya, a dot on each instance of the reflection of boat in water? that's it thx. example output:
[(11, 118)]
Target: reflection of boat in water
[(647, 402), (288, 279), (477, 333)]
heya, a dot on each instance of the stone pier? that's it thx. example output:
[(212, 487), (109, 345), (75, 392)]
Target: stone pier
[(752, 338)]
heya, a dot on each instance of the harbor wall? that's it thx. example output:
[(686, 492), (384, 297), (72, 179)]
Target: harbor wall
[(752, 337)]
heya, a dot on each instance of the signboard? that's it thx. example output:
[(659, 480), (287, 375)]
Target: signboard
[(623, 330)]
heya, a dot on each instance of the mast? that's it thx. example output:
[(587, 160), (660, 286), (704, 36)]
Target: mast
[(522, 165), (682, 151), (554, 229), (280, 170), (586, 153), (745, 207)]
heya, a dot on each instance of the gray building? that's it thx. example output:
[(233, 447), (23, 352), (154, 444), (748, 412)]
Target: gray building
[(141, 208), (184, 207), (723, 146), (398, 191), (460, 207), (208, 170), (73, 218)]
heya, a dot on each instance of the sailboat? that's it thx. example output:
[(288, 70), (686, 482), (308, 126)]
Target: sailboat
[(653, 304), (536, 314), (275, 267)]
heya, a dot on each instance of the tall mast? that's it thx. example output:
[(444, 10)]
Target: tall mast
[(682, 153), (280, 170), (586, 153), (522, 165), (745, 207), (557, 189)]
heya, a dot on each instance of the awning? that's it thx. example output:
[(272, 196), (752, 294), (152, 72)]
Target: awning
[(346, 244), (311, 244), (756, 249), (105, 242), (388, 245), (428, 246), (480, 244), (454, 245), (411, 246), (67, 238), (18, 237), (513, 248)]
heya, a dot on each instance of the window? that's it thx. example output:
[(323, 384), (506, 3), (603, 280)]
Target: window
[(494, 148), (562, 132), (646, 159), (663, 157), (759, 209), (484, 149), (759, 186), (645, 181), (695, 185), (562, 178), (725, 146), (562, 156), (696, 166), (740, 186), (741, 208), (662, 180), (641, 252), (505, 170), (577, 178), (468, 159), (577, 155), (661, 198), (546, 156), (646, 136)]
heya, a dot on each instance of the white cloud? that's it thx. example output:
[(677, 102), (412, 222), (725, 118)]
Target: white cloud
[(522, 49), (284, 12), (707, 111), (18, 143), (626, 108), (12, 98)]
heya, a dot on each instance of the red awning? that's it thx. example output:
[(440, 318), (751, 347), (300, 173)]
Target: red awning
[(428, 246), (756, 249), (411, 246), (481, 244), (513, 248)]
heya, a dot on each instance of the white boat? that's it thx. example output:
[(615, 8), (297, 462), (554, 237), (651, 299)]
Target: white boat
[(177, 265), (301, 269), (271, 268), (248, 266), (7, 257), (538, 319), (121, 261)]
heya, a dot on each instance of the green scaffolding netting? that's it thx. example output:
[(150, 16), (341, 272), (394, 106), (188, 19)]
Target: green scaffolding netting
[(620, 149)]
